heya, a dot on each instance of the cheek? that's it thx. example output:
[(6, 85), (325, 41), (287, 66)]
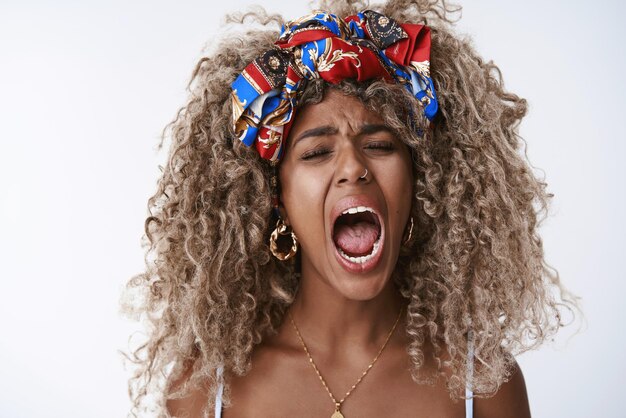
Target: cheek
[(406, 176), (399, 193), (302, 195), (398, 189)]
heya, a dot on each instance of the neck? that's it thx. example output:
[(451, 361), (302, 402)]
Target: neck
[(328, 321)]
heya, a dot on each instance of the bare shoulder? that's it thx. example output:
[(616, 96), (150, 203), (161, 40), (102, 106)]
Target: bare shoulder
[(191, 406), (511, 400)]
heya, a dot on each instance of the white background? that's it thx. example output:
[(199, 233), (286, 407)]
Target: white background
[(85, 89)]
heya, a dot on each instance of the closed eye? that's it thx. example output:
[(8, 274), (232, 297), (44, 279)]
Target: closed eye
[(376, 146), (315, 153), (380, 145)]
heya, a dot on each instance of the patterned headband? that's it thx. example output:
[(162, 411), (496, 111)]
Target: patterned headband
[(364, 46)]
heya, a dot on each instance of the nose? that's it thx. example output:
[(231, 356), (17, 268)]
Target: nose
[(351, 167)]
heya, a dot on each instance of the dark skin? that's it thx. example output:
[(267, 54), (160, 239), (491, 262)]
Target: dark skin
[(345, 317)]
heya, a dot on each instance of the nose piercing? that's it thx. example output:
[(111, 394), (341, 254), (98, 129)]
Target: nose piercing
[(364, 175)]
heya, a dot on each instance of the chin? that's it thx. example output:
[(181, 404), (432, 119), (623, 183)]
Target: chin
[(361, 286)]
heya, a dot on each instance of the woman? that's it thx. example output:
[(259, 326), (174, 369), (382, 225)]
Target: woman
[(345, 228)]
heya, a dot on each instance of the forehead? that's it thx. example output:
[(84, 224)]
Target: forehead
[(346, 113)]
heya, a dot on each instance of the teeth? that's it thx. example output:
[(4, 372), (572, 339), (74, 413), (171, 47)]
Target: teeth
[(358, 209), (363, 259)]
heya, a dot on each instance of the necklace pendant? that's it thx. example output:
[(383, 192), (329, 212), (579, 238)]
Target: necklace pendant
[(337, 414)]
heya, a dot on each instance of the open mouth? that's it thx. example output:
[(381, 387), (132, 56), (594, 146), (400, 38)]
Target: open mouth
[(357, 235)]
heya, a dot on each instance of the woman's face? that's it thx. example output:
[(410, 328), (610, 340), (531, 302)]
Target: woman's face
[(330, 146)]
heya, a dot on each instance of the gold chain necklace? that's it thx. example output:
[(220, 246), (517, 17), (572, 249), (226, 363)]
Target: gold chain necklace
[(337, 413)]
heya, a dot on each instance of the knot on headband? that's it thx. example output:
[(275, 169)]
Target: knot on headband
[(364, 46)]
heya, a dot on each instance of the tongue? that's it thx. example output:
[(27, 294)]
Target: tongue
[(356, 240)]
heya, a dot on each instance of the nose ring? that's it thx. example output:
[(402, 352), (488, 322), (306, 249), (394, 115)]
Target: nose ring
[(364, 176)]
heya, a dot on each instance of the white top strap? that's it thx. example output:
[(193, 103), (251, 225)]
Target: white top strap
[(218, 396), (469, 403)]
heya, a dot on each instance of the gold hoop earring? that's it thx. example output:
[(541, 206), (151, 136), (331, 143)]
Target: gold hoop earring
[(281, 229), (406, 241)]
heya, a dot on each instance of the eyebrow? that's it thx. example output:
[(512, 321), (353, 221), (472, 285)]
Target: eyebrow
[(327, 130)]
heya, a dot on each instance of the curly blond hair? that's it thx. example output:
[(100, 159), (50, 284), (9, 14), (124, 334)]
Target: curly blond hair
[(211, 290)]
